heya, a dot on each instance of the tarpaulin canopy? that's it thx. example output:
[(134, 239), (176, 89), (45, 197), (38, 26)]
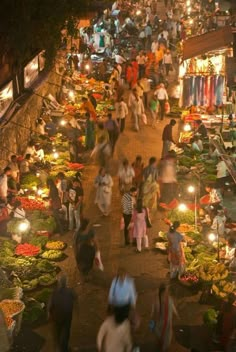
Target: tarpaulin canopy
[(202, 44)]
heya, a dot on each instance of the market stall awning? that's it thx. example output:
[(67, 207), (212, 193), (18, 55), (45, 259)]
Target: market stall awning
[(206, 42)]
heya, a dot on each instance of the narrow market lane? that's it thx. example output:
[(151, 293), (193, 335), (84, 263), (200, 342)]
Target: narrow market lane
[(149, 268)]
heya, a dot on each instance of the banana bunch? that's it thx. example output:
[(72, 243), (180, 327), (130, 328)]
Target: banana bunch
[(213, 272), (223, 288)]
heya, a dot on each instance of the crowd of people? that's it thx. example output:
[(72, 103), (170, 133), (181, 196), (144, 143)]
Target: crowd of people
[(138, 83)]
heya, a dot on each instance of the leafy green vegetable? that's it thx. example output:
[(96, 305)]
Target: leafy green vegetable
[(29, 181), (44, 295), (210, 317), (184, 217), (34, 311)]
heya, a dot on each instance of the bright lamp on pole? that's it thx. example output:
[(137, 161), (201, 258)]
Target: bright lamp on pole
[(182, 207), (23, 226)]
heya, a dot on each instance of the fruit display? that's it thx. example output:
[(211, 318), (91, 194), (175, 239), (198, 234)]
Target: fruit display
[(57, 245), (32, 203), (45, 266), (223, 288), (11, 307), (47, 279), (28, 285), (9, 322), (52, 254), (189, 279), (186, 217), (212, 272), (27, 250)]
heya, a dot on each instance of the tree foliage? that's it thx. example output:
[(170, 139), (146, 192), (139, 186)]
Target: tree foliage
[(30, 25)]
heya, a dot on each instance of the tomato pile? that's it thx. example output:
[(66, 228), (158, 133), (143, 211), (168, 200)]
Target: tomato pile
[(189, 278), (31, 204), (75, 166), (27, 250)]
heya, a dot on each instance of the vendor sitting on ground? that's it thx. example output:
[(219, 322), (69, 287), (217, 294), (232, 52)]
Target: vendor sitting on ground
[(219, 221), (196, 144), (201, 129), (228, 252)]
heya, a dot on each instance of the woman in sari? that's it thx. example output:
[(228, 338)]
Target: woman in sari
[(103, 183), (150, 185), (162, 317), (85, 247), (176, 252)]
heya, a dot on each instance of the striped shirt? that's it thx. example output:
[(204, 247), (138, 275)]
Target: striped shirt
[(127, 204)]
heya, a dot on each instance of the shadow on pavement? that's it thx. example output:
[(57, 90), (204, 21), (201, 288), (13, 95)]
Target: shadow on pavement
[(197, 337)]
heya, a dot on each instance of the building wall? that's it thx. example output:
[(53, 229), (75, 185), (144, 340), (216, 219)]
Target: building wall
[(13, 138)]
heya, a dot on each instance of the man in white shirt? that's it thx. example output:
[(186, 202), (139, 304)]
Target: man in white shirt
[(154, 46), (222, 173), (141, 60), (3, 183), (121, 113), (136, 105), (119, 59), (162, 97)]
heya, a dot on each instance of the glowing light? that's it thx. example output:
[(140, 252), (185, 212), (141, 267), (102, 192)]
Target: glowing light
[(212, 237), (87, 67), (191, 189), (55, 155), (188, 2), (37, 174), (71, 94), (187, 127), (191, 21), (138, 12), (63, 122), (34, 188), (182, 207), (40, 192), (23, 226)]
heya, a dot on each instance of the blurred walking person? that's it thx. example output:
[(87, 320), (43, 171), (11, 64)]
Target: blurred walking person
[(60, 311), (121, 113), (167, 137), (128, 203), (162, 97), (163, 310), (139, 219), (115, 334), (103, 183), (176, 252)]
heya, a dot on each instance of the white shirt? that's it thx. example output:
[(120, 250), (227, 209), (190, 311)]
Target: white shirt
[(114, 337), (167, 59), (121, 110), (136, 105), (161, 94), (3, 186), (221, 169), (154, 47), (141, 60), (119, 59), (126, 175), (19, 213)]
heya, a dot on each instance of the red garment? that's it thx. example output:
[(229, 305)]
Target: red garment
[(135, 73), (129, 74)]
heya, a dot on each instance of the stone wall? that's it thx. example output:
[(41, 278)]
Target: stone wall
[(13, 137)]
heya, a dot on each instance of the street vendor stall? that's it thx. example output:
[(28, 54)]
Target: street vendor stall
[(203, 82)]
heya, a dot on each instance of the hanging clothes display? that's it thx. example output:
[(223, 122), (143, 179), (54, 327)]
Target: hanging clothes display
[(203, 90)]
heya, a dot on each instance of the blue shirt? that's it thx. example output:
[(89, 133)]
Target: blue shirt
[(122, 292)]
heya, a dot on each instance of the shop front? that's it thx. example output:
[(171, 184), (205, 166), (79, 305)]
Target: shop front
[(203, 81)]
